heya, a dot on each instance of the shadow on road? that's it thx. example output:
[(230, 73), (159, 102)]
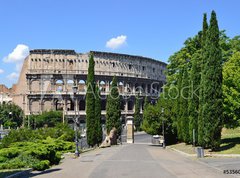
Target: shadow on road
[(33, 174)]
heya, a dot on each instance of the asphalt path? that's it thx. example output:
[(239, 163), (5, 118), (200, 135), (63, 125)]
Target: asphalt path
[(139, 160)]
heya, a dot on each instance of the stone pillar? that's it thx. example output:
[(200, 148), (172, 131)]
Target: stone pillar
[(107, 86), (130, 130), (126, 106)]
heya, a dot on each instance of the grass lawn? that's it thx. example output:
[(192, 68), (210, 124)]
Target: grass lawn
[(230, 141), (230, 144)]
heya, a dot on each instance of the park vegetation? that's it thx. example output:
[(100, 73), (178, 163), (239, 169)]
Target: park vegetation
[(202, 92), (93, 110)]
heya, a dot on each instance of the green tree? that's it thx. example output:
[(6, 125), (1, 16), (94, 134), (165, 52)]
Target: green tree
[(195, 78), (178, 110), (152, 123), (212, 87), (113, 108), (98, 117), (11, 115), (184, 120), (137, 115), (90, 103), (201, 101), (231, 91), (48, 118)]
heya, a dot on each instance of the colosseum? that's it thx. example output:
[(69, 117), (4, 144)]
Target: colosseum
[(47, 78)]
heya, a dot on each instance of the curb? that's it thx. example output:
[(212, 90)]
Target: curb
[(20, 174), (207, 155), (181, 152)]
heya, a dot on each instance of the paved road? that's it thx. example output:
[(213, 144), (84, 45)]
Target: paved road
[(132, 161)]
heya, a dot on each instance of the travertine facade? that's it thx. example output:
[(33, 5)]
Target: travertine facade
[(47, 78)]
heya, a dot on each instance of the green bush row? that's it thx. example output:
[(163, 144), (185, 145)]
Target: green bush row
[(38, 155), (61, 131)]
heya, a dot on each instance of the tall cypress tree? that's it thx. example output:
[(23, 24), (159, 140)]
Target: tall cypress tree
[(184, 124), (201, 101), (90, 103), (137, 115), (193, 105), (113, 108), (212, 110), (178, 110), (98, 125)]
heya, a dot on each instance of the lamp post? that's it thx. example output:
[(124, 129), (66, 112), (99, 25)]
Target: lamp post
[(164, 146), (75, 120)]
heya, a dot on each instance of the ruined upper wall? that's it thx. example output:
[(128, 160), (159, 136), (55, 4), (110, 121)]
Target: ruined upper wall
[(49, 61)]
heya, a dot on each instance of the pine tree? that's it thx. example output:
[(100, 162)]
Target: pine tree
[(113, 108), (137, 115), (98, 126), (184, 121), (201, 101), (212, 110), (90, 103)]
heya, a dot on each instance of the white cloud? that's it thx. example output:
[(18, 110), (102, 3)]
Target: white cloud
[(1, 71), (19, 67), (13, 76), (117, 42), (18, 54)]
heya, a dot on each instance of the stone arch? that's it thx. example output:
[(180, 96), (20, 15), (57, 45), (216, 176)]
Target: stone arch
[(70, 84), (102, 86), (130, 105), (82, 85), (47, 86), (122, 105), (35, 107), (35, 85), (58, 105), (103, 104), (59, 84), (82, 105), (47, 105), (121, 87), (70, 105)]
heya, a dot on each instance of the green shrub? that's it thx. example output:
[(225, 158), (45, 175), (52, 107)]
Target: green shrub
[(42, 165), (61, 131), (10, 152), (3, 159)]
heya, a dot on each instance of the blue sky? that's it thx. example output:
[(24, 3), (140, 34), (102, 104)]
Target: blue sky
[(154, 28)]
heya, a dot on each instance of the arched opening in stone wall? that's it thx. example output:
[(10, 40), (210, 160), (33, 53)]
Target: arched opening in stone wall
[(102, 86), (103, 104), (149, 88), (122, 105), (35, 108), (35, 85), (59, 104), (130, 105), (70, 105), (59, 85), (82, 105), (70, 84), (47, 105), (143, 88), (46, 86), (82, 86), (121, 87)]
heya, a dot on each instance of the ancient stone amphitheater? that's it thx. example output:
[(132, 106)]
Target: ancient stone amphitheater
[(47, 78)]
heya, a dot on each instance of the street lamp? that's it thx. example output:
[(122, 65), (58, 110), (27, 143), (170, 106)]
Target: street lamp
[(75, 120), (164, 146)]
